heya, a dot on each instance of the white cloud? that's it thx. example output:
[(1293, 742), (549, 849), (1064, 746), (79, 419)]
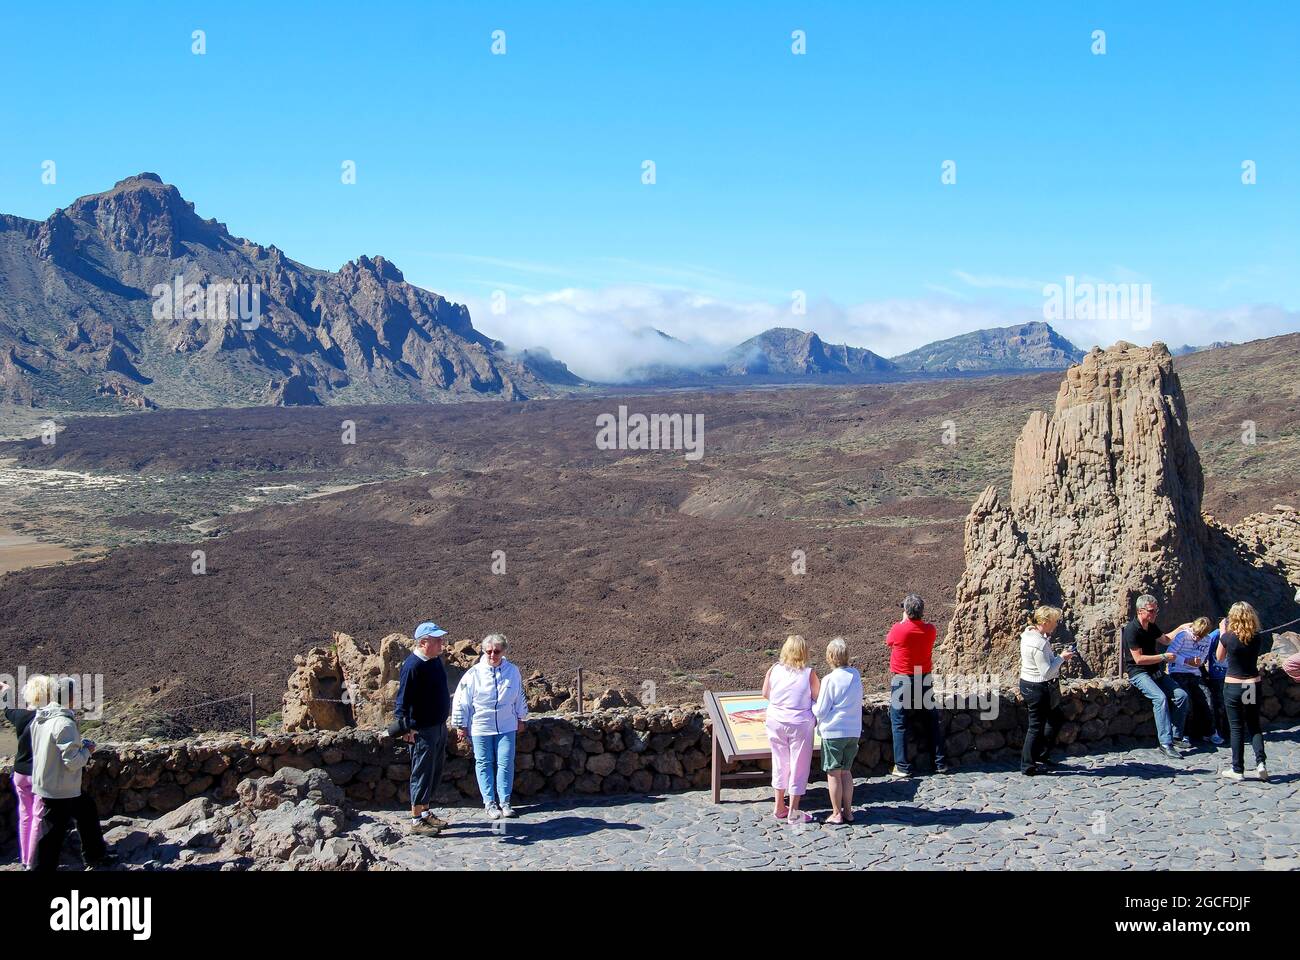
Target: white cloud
[(603, 333)]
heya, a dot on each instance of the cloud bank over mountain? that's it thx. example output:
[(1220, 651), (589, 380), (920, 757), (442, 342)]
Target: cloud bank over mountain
[(608, 333)]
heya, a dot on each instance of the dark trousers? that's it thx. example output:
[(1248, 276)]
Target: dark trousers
[(1045, 722), (58, 816), (1201, 722), (1241, 700), (907, 698), (428, 753), (1215, 686)]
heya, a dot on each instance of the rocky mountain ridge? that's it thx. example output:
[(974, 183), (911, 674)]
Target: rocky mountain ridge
[(88, 318)]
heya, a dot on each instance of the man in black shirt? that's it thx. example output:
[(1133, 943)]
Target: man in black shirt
[(422, 707), (1145, 664)]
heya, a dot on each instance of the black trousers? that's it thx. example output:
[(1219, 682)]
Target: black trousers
[(1045, 722), (58, 816), (1200, 722), (1241, 701)]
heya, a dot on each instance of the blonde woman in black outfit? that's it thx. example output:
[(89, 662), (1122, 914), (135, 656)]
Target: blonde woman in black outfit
[(1239, 649)]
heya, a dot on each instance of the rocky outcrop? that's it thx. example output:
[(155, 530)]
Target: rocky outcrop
[(349, 684), (1105, 505), (291, 820)]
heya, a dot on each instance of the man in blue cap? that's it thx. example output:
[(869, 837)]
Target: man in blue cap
[(422, 707)]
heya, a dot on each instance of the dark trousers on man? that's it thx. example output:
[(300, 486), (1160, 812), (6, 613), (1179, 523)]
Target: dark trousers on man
[(1201, 722), (909, 695), (1045, 720), (428, 753), (58, 816)]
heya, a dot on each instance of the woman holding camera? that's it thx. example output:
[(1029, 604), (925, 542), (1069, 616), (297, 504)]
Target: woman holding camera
[(1040, 669)]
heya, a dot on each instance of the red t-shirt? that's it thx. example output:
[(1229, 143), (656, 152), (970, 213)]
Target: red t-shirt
[(911, 644)]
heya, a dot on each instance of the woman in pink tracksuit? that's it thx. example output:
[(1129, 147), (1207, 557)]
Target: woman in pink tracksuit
[(790, 688)]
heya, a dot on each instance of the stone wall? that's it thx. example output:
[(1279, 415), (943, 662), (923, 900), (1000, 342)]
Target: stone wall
[(624, 751)]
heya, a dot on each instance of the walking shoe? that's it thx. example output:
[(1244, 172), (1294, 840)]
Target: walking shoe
[(436, 820), (1232, 775), (1261, 772), (941, 767), (424, 828), (1216, 740), (507, 811), (897, 774), (1184, 741), (1030, 771), (1170, 752), (494, 812)]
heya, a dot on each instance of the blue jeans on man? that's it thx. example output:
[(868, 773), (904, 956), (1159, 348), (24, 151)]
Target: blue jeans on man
[(908, 696), (1169, 703), (494, 767)]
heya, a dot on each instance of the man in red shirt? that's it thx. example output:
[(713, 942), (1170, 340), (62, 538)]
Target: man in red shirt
[(911, 644)]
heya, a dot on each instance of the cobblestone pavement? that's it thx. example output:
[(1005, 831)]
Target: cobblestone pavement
[(1097, 811)]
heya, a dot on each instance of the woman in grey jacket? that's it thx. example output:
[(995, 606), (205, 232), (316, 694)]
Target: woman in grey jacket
[(59, 754)]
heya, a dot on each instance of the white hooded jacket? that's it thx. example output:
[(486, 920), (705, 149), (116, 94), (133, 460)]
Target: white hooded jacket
[(489, 700), (58, 754)]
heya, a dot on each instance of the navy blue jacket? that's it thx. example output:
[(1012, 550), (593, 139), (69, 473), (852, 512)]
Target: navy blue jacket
[(422, 697)]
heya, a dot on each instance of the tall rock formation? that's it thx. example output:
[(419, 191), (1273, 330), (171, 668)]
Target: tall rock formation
[(1105, 506)]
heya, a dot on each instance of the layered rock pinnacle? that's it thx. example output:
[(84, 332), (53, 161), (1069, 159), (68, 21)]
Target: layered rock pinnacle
[(1105, 506)]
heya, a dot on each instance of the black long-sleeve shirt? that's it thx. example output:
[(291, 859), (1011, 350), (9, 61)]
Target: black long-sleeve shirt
[(422, 697), (22, 721)]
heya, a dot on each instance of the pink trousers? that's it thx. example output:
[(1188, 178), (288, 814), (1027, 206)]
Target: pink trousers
[(30, 808), (791, 755)]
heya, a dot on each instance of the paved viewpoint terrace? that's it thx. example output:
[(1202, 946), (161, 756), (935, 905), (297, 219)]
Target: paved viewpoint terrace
[(1116, 810)]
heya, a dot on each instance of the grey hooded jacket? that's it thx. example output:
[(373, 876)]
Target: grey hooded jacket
[(58, 754)]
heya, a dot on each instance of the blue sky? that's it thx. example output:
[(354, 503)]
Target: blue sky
[(775, 172)]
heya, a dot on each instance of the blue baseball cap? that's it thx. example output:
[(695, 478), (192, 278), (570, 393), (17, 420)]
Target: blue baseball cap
[(429, 629)]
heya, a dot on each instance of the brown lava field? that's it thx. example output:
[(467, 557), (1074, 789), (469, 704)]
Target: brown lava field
[(636, 566)]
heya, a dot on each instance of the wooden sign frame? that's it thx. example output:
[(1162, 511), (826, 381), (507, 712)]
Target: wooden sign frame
[(726, 748)]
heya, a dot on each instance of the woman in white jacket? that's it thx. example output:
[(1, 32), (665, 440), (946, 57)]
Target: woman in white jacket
[(489, 708), (1039, 684), (839, 717)]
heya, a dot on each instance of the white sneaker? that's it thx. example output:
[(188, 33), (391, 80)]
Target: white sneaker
[(507, 811), (1231, 774), (494, 812), (1261, 771)]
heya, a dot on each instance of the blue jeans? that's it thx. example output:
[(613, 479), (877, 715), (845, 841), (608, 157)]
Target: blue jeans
[(1169, 703), (905, 700), (494, 766)]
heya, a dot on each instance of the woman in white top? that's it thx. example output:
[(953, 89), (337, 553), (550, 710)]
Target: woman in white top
[(839, 716), (1039, 669)]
